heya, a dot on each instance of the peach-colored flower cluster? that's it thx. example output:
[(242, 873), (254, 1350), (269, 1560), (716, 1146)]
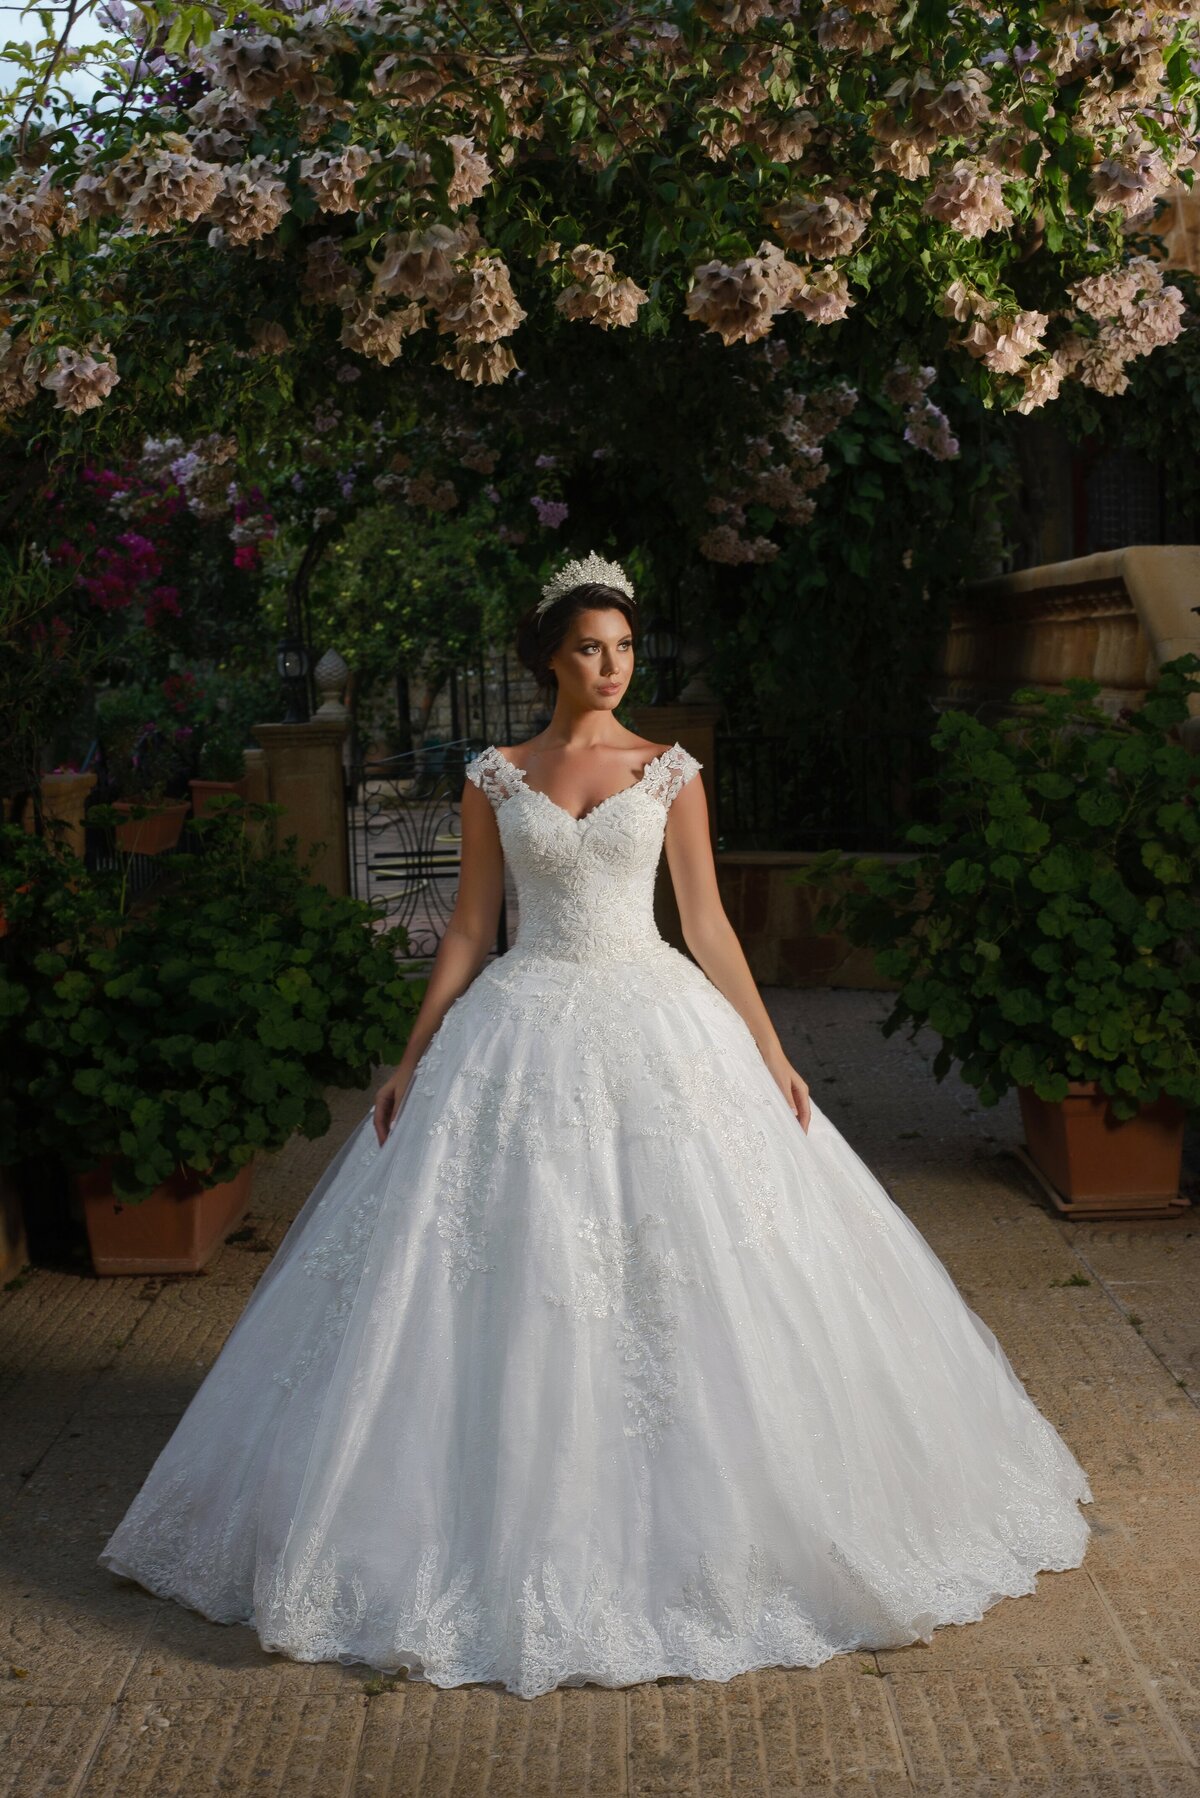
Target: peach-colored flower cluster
[(1041, 382), (1133, 180), (30, 212), (1136, 312), (327, 274), (420, 264), (926, 426), (333, 176), (378, 334), (472, 171), (79, 379), (859, 26), (18, 372), (479, 458), (970, 198), (739, 15), (174, 189), (729, 114), (479, 306), (740, 302), (423, 489), (723, 544), (752, 92), (597, 293), (1003, 340), (252, 199), (260, 69), (221, 124), (828, 226), (779, 468), (917, 114)]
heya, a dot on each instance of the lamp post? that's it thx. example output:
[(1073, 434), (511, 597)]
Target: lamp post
[(660, 645), (291, 661)]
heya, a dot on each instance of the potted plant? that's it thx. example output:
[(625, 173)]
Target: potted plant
[(221, 768), (167, 1048), (235, 701), (49, 902), (1048, 929), (145, 756)]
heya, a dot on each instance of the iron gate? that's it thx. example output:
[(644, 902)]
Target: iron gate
[(405, 839)]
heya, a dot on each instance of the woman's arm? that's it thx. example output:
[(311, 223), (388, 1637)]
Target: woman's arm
[(713, 941), (469, 934)]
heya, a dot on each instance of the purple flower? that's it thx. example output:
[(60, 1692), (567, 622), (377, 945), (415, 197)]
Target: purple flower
[(544, 461), (551, 512)]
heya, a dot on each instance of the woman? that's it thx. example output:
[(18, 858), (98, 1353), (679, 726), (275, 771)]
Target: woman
[(596, 1353)]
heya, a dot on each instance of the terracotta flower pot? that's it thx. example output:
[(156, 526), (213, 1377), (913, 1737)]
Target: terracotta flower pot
[(151, 835), (203, 791), (1094, 1165), (177, 1230)]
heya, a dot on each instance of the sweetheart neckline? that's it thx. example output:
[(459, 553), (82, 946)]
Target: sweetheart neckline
[(524, 786)]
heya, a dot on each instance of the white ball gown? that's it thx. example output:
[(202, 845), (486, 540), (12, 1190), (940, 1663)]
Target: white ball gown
[(600, 1368)]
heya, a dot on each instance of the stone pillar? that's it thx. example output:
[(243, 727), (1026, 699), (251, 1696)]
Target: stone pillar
[(692, 724), (257, 776), (63, 796), (304, 772), (1111, 617)]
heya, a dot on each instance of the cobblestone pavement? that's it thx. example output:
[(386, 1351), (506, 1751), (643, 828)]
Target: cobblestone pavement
[(1089, 1686)]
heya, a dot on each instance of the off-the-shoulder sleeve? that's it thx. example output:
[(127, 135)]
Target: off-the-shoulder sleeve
[(493, 774), (671, 771)]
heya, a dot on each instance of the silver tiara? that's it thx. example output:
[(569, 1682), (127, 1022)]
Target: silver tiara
[(587, 568)]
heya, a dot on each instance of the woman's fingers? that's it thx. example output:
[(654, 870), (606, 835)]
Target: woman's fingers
[(383, 1112), (801, 1103)]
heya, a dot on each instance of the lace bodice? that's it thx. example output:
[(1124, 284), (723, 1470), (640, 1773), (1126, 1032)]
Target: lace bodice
[(585, 886)]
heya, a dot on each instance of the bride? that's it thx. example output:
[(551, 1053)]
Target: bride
[(596, 1353)]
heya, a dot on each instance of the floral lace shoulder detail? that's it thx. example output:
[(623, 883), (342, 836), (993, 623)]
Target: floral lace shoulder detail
[(493, 774), (669, 772)]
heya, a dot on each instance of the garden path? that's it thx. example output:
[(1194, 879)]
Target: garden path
[(1089, 1686)]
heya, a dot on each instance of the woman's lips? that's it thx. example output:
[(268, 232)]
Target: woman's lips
[(614, 688)]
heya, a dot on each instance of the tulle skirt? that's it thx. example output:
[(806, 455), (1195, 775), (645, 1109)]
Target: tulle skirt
[(601, 1369)]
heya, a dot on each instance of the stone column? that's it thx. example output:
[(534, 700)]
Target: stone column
[(63, 796), (304, 775), (258, 785)]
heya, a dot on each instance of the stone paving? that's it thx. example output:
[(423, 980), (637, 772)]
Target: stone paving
[(1090, 1686)]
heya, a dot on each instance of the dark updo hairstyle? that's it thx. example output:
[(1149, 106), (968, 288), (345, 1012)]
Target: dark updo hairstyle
[(539, 638)]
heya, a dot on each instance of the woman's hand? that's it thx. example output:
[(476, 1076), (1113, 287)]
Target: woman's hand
[(793, 1088), (389, 1099)]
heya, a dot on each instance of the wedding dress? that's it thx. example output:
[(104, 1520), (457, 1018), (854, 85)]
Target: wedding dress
[(601, 1368)]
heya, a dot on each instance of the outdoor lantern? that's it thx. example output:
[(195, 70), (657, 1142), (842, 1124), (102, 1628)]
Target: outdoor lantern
[(660, 646), (291, 662)]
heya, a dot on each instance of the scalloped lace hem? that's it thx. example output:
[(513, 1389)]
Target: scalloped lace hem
[(712, 1634)]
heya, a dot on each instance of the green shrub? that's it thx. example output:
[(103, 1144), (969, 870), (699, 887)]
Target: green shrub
[(202, 1029), (1048, 927)]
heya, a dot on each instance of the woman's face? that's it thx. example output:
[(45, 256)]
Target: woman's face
[(594, 663)]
